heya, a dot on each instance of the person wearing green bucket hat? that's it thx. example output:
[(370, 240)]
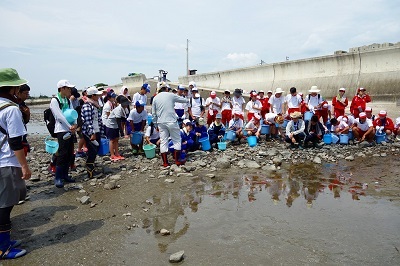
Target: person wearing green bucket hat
[(14, 168)]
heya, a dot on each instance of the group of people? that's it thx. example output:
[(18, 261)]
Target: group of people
[(180, 119)]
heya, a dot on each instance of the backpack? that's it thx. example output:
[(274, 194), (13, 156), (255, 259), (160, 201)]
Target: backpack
[(201, 103), (309, 96), (50, 120)]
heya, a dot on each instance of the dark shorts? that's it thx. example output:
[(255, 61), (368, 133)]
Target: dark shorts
[(154, 141), (112, 133), (12, 186)]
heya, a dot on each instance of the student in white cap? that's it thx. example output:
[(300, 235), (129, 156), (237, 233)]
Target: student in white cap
[(363, 128), (214, 107), (164, 117), (180, 107), (216, 131), (137, 118), (196, 105), (277, 102), (359, 102), (383, 124), (314, 100), (339, 103), (226, 109), (253, 106), (253, 127), (91, 126)]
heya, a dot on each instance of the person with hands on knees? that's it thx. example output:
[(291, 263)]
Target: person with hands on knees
[(236, 124), (91, 126), (200, 131), (152, 135), (216, 131), (313, 132), (363, 128), (14, 168), (295, 131)]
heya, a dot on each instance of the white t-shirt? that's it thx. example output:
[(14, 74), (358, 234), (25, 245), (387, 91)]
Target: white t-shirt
[(397, 123), (364, 126), (11, 121), (216, 100), (251, 126), (226, 105), (270, 117), (238, 104), (249, 106), (106, 109), (276, 104), (293, 101), (117, 112), (139, 97), (155, 135), (342, 125), (313, 101), (136, 117), (195, 106), (236, 124), (180, 105)]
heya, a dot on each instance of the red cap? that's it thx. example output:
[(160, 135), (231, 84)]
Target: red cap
[(362, 115), (382, 113)]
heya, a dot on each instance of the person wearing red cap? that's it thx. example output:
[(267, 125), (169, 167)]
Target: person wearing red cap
[(339, 103), (384, 124), (359, 102), (236, 124), (368, 112), (214, 106), (363, 129), (253, 127), (253, 107)]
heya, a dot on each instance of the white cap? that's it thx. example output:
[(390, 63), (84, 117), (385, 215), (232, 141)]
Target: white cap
[(64, 83), (314, 89), (213, 93), (197, 95), (192, 83), (279, 90), (269, 91), (93, 91)]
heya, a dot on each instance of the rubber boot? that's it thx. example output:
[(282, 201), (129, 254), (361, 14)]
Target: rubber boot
[(165, 159), (67, 178), (58, 182), (178, 160), (7, 251), (91, 172)]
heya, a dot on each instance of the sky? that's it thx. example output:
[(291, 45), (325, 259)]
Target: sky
[(89, 42)]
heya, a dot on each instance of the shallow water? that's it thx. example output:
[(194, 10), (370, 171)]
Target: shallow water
[(303, 216)]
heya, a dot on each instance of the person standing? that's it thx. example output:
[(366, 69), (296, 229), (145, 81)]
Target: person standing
[(277, 102), (253, 106), (142, 94), (196, 108), (164, 117), (359, 102), (14, 168), (238, 103), (180, 107), (65, 131), (265, 103), (339, 103), (214, 105), (91, 126), (293, 101), (226, 110)]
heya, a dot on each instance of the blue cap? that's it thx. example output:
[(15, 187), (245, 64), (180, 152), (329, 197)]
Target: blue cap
[(180, 87), (147, 87), (111, 95), (139, 103)]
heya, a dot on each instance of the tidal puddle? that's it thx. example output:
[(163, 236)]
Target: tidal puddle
[(307, 214)]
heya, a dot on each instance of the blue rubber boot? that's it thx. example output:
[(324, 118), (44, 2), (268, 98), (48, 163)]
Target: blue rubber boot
[(67, 178), (58, 180), (7, 251)]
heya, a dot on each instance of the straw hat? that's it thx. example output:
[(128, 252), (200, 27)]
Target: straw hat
[(295, 115), (314, 89), (279, 119)]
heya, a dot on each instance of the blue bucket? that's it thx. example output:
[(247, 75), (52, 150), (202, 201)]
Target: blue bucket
[(205, 144), (380, 137), (51, 145), (252, 141), (230, 135), (149, 119), (244, 131), (265, 129), (71, 115), (335, 138), (285, 122), (222, 145), (136, 138), (344, 139), (327, 138), (104, 147), (308, 115)]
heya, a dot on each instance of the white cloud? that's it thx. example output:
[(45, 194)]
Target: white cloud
[(242, 59)]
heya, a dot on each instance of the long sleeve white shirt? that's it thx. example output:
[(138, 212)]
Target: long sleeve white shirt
[(163, 110)]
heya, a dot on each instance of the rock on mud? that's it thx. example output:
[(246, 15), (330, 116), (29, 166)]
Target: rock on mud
[(164, 232), (177, 257)]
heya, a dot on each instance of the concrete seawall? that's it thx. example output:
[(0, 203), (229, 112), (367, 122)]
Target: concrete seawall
[(377, 70)]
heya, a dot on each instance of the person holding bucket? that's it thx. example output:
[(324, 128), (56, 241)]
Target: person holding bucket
[(164, 117), (253, 127), (314, 101), (14, 168), (91, 127), (200, 131), (216, 131), (236, 124), (363, 128), (274, 121), (339, 125), (383, 124), (137, 119)]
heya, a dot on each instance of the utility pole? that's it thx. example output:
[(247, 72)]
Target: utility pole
[(187, 57)]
